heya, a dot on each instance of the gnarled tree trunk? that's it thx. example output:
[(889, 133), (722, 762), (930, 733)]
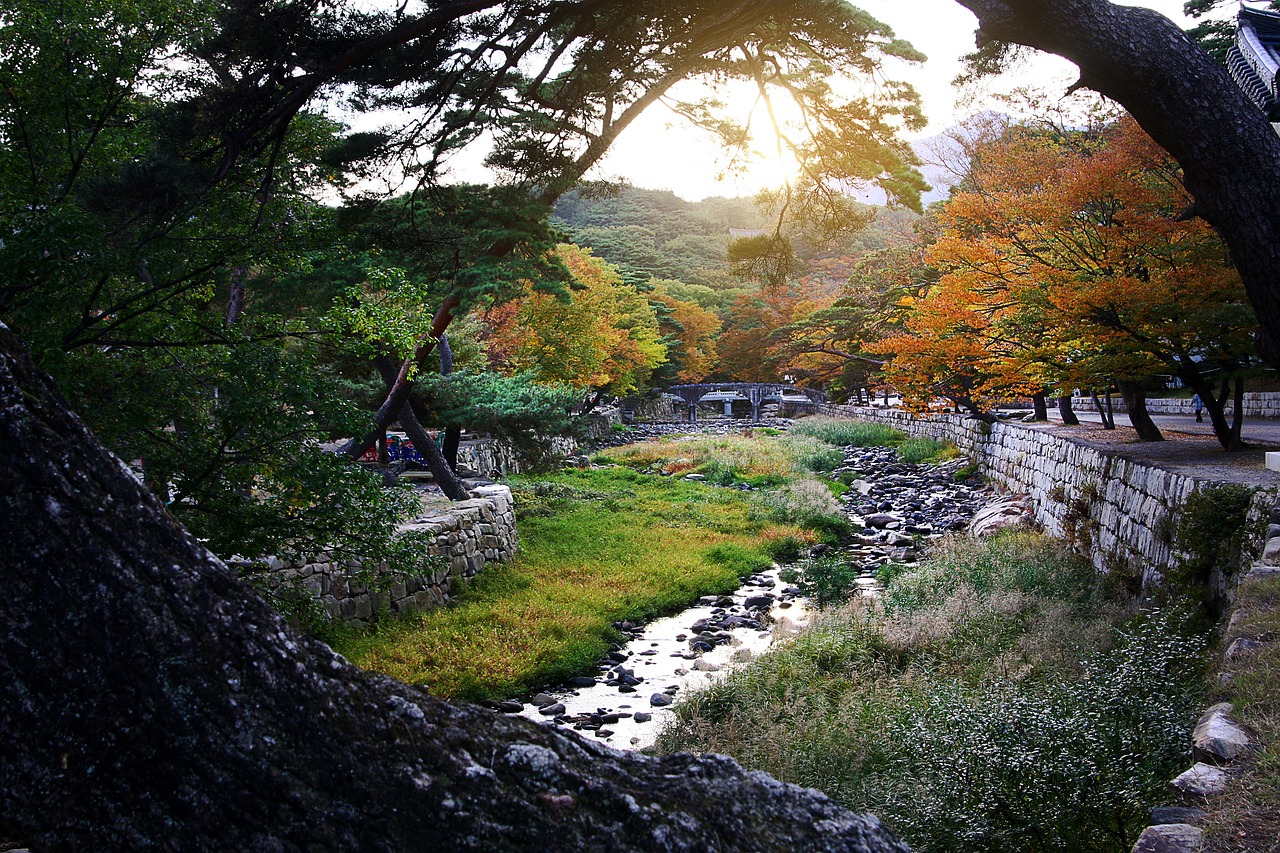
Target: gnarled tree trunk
[(1040, 406), (441, 472), (1135, 402), (1228, 152), (151, 701), (1068, 413)]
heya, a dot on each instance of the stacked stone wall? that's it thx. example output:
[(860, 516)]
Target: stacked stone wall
[(495, 458), (1261, 404), (1119, 512), (461, 539)]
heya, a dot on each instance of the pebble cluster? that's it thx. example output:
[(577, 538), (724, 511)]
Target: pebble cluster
[(902, 505)]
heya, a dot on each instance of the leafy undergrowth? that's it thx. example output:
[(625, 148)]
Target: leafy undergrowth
[(1247, 817), (595, 547), (999, 698)]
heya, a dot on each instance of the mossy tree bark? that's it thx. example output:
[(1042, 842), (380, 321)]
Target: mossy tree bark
[(152, 701)]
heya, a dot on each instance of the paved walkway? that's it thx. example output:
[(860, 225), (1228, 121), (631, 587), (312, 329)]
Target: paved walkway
[(1254, 429), (1189, 448)]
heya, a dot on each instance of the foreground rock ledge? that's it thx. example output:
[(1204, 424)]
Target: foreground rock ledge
[(150, 700)]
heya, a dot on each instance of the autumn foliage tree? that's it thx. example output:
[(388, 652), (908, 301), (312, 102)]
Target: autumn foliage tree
[(602, 336), (1068, 263), (689, 330)]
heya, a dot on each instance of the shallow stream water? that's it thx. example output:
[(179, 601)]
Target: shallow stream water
[(628, 699), (667, 659)]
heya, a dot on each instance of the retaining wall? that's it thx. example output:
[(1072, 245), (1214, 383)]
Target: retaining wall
[(496, 458), (460, 539), (1261, 404), (1117, 511)]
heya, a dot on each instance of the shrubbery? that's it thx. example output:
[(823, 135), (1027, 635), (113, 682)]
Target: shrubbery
[(1000, 697), (1046, 765)]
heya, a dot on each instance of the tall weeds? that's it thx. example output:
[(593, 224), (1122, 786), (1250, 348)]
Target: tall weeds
[(998, 698)]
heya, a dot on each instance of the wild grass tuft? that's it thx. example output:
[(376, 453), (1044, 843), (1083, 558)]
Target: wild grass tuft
[(918, 450), (595, 547), (806, 502), (842, 432)]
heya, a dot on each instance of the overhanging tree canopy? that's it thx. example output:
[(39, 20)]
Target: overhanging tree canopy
[(1229, 154)]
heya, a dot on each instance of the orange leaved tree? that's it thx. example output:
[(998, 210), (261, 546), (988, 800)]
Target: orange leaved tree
[(604, 338), (1068, 262)]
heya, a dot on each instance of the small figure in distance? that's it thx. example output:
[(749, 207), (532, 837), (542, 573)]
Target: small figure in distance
[(1198, 405)]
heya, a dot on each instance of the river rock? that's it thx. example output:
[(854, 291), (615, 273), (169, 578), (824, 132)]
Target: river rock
[(1218, 739), (658, 700), (552, 710), (1170, 838), (1001, 514), (1202, 780), (642, 716), (1271, 552)]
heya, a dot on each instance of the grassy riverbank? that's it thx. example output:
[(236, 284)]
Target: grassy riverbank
[(604, 545), (998, 698), (1247, 818)]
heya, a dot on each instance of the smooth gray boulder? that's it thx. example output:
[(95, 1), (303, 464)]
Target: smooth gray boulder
[(1170, 838), (1202, 780), (1219, 739), (1002, 513)]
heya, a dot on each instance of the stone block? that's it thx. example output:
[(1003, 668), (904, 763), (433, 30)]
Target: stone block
[(363, 607), (1177, 814), (1219, 739), (1242, 646), (1202, 780), (1260, 571), (1271, 552), (1170, 838)]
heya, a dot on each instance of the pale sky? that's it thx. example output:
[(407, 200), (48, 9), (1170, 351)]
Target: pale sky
[(657, 152)]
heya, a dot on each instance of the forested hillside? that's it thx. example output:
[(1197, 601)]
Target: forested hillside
[(657, 234)]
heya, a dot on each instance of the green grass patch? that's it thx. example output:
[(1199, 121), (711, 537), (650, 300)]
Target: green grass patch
[(758, 457), (595, 547), (1000, 672), (1247, 817), (919, 450), (842, 432)]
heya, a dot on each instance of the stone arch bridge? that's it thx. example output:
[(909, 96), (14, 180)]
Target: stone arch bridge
[(753, 392)]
